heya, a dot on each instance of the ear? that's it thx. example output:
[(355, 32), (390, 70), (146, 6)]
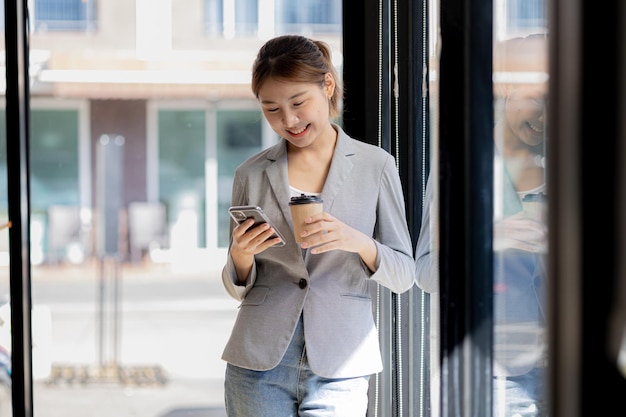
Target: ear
[(329, 85)]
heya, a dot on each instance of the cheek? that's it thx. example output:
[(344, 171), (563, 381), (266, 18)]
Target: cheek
[(271, 118), (514, 116), (323, 107)]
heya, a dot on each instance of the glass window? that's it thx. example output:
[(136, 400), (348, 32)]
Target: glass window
[(308, 16), (6, 364), (4, 204), (527, 15), (54, 143), (182, 153), (64, 15), (239, 136), (115, 330), (520, 203), (427, 259), (230, 18), (213, 17), (246, 17), (520, 207), (237, 18), (519, 18)]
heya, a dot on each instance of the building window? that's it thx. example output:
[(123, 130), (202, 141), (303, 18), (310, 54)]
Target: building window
[(64, 15), (525, 17), (308, 16), (239, 136), (231, 18), (182, 182), (213, 17)]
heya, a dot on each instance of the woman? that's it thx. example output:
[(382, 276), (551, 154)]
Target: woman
[(305, 342)]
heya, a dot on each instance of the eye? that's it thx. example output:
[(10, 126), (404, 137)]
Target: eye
[(272, 110), (298, 104)]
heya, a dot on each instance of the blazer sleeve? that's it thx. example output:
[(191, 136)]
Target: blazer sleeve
[(427, 250), (229, 275), (395, 250), (230, 281)]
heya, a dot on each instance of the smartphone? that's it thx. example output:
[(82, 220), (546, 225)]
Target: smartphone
[(241, 213)]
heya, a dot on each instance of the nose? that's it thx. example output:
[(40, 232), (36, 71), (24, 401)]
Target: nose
[(290, 118)]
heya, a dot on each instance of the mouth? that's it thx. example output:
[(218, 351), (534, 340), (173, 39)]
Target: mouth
[(536, 129), (534, 134), (298, 132)]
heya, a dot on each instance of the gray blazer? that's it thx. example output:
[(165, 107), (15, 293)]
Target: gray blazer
[(331, 290)]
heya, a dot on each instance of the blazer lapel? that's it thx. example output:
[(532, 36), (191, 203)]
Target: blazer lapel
[(277, 176), (339, 172), (340, 169)]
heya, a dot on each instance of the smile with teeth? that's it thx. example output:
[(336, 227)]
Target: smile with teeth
[(297, 132), (536, 129)]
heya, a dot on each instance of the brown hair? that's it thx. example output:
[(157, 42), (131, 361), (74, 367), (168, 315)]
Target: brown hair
[(297, 59)]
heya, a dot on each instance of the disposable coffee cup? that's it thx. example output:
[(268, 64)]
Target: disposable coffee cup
[(302, 207)]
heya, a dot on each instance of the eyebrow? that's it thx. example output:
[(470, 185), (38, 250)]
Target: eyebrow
[(290, 98)]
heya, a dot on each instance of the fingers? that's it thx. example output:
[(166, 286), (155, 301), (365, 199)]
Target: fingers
[(319, 223), (325, 233), (253, 239)]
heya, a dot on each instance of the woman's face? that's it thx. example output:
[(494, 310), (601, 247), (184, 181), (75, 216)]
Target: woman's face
[(525, 113), (298, 112)]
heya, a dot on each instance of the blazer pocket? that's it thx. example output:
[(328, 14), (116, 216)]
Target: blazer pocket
[(255, 297), (360, 297)]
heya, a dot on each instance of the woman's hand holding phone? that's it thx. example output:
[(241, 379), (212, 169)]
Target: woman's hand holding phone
[(255, 231)]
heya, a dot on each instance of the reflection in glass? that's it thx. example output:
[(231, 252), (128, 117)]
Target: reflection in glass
[(520, 207), (520, 229), (6, 365), (426, 253)]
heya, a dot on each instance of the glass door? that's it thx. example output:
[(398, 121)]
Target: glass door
[(6, 364), (520, 229), (139, 113)]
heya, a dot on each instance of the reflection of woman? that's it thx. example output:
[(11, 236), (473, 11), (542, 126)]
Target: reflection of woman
[(519, 170), (519, 244)]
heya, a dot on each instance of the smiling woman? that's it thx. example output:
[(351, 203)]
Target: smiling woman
[(520, 111), (520, 134), (520, 239), (316, 286)]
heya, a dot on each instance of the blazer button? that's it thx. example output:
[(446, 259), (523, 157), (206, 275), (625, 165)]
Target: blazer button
[(302, 283)]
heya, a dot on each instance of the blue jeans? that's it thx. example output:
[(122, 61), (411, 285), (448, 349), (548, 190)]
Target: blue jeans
[(520, 396), (291, 389)]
